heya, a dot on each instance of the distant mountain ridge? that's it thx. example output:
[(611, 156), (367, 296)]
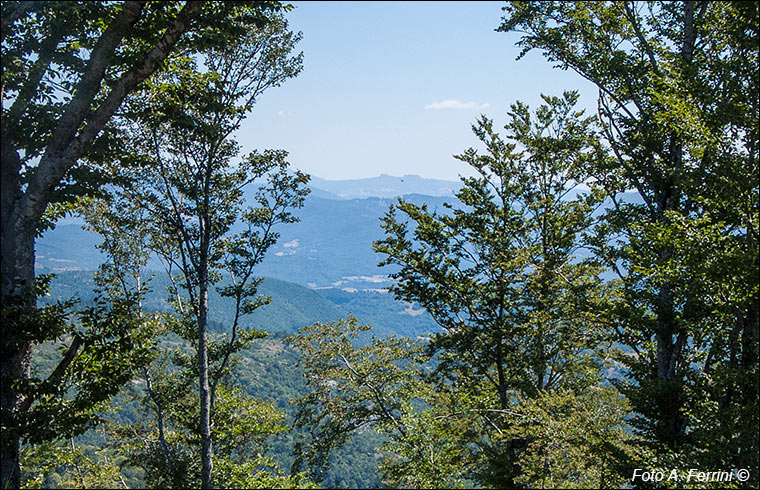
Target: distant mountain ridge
[(325, 263), (330, 247), (384, 186)]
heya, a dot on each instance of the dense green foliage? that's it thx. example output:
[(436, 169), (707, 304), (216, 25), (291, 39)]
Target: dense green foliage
[(268, 370), (100, 345), (679, 106), (571, 336), (521, 340), (66, 69), (180, 191)]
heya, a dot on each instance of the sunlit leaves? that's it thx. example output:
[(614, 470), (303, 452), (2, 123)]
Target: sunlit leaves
[(679, 107)]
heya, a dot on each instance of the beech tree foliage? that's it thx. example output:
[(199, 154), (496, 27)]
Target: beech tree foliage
[(66, 69), (678, 101), (501, 273), (597, 281), (179, 168)]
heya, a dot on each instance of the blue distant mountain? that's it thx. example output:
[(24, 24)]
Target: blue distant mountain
[(330, 247), (326, 259), (328, 252), (332, 244), (385, 186)]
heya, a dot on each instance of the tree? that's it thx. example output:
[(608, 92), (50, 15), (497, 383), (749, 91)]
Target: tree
[(577, 439), (678, 99), (66, 68), (164, 441), (111, 340), (180, 171), (352, 388), (501, 274), (380, 386), (80, 468), (169, 456)]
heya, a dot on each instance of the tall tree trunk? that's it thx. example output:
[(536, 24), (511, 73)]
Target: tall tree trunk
[(15, 353), (670, 420), (205, 393), (16, 278)]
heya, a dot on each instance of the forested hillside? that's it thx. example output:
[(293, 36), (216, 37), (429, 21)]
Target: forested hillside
[(292, 306), (331, 246)]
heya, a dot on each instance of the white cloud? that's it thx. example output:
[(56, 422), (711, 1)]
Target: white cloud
[(292, 244), (455, 104)]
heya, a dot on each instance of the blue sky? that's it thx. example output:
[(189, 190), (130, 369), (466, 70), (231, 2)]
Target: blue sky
[(393, 87)]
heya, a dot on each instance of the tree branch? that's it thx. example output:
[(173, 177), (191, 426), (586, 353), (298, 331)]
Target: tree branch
[(21, 10), (65, 149)]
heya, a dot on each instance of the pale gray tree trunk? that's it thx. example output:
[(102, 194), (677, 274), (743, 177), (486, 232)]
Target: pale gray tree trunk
[(207, 450)]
